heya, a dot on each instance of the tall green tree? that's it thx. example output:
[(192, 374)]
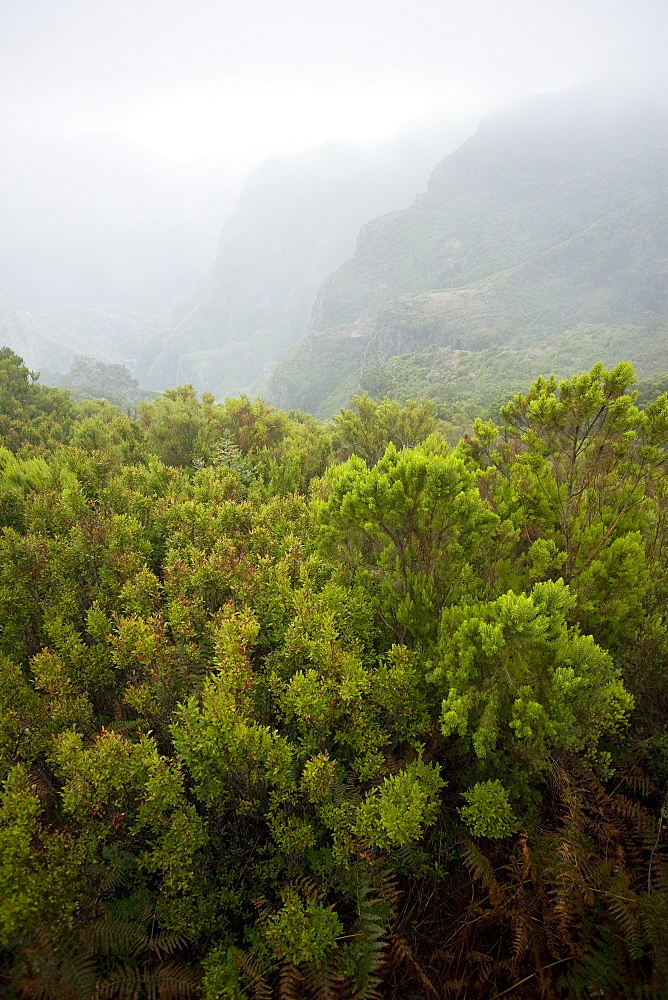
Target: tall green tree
[(573, 467), (413, 530), (368, 428)]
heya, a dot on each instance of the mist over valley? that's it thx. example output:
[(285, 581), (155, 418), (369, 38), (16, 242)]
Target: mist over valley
[(400, 266)]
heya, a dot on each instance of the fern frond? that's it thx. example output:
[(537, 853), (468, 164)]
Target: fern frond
[(166, 942), (404, 953), (480, 868), (634, 815), (125, 983), (323, 983), (596, 972), (45, 972), (638, 783), (138, 907), (118, 875), (172, 981), (376, 907), (306, 887), (290, 982), (79, 972), (484, 964), (396, 762), (523, 930), (114, 936), (254, 974), (625, 910)]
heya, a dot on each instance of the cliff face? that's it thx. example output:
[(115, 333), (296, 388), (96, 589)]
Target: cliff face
[(297, 220), (552, 216)]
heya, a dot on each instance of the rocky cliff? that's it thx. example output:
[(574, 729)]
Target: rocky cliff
[(297, 220), (549, 222)]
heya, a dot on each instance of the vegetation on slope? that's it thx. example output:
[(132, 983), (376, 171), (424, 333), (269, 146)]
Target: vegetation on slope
[(91, 379), (549, 224)]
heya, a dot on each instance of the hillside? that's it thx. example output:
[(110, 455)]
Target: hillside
[(297, 220), (546, 227), (92, 379)]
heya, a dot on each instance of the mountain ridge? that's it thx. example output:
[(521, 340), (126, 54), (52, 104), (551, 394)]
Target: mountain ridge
[(297, 219), (496, 255)]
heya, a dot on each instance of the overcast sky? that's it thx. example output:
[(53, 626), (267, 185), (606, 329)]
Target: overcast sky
[(245, 78)]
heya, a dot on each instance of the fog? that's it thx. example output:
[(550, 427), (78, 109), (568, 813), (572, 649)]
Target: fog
[(127, 130), (241, 81)]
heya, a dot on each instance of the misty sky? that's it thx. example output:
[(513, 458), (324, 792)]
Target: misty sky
[(247, 78)]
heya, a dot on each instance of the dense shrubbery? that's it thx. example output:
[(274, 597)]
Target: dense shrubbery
[(301, 710)]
